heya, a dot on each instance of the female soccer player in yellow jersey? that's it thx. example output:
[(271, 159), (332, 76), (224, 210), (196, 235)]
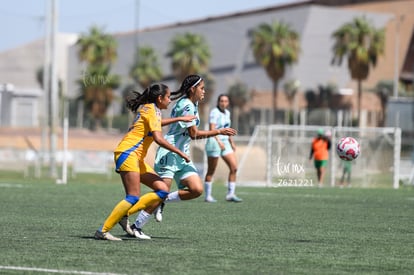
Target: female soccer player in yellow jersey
[(131, 151), (167, 163)]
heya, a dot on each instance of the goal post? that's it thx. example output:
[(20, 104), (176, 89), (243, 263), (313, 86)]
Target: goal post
[(278, 155)]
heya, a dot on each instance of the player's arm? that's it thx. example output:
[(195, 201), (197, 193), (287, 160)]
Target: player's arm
[(195, 133), (329, 143), (167, 121), (233, 145), (159, 139), (212, 127), (311, 153)]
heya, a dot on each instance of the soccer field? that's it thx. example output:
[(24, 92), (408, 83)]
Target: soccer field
[(48, 229)]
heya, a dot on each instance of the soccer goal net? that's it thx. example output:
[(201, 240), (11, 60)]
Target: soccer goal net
[(278, 155)]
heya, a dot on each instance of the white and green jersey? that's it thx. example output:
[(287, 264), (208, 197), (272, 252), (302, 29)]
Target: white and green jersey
[(221, 120), (178, 134)]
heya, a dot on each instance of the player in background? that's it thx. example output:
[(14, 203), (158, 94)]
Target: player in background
[(220, 146), (346, 174), (168, 164), (131, 151), (320, 147)]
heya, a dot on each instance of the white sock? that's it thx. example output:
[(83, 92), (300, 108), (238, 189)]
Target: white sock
[(231, 188), (173, 197), (208, 188), (142, 218)]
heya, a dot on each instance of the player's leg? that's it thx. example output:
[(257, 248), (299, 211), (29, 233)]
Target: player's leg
[(348, 177), (156, 183), (213, 153), (153, 181), (149, 202), (319, 171), (144, 216), (208, 180), (341, 183), (131, 182), (159, 209), (322, 171), (194, 188), (231, 161)]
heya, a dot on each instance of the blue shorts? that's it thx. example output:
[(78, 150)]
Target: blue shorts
[(172, 166), (213, 149)]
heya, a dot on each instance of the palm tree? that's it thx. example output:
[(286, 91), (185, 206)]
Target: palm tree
[(146, 68), (275, 47), (98, 50), (361, 44), (97, 88), (291, 88), (97, 47), (190, 55)]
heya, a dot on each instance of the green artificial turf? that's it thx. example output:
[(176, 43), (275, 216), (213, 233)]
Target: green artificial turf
[(48, 228)]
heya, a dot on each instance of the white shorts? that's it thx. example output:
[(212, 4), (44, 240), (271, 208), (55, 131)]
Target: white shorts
[(213, 149)]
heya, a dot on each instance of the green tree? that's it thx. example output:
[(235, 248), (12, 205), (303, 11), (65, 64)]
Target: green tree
[(291, 88), (98, 50), (275, 47), (361, 44), (97, 87), (146, 68), (190, 54), (97, 47), (384, 90)]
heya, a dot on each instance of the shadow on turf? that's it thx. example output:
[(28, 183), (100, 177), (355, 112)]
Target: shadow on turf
[(303, 241), (127, 238)]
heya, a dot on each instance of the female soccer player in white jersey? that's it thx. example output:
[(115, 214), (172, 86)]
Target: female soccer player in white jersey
[(169, 165), (221, 146)]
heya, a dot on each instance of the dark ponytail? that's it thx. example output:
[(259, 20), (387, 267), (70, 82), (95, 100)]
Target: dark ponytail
[(190, 81), (149, 95)]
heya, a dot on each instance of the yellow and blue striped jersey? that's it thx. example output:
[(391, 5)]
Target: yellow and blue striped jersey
[(139, 136)]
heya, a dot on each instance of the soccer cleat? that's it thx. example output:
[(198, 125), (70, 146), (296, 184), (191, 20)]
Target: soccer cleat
[(138, 233), (105, 236), (124, 223), (158, 212), (233, 198), (210, 199)]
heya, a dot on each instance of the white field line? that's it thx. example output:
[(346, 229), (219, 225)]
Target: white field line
[(11, 185), (45, 270)]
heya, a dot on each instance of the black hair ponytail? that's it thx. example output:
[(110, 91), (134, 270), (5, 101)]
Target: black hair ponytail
[(149, 95), (190, 81)]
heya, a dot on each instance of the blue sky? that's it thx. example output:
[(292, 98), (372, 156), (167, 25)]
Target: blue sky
[(22, 21)]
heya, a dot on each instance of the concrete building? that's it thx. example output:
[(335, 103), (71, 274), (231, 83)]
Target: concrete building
[(21, 94), (19, 107), (232, 59)]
